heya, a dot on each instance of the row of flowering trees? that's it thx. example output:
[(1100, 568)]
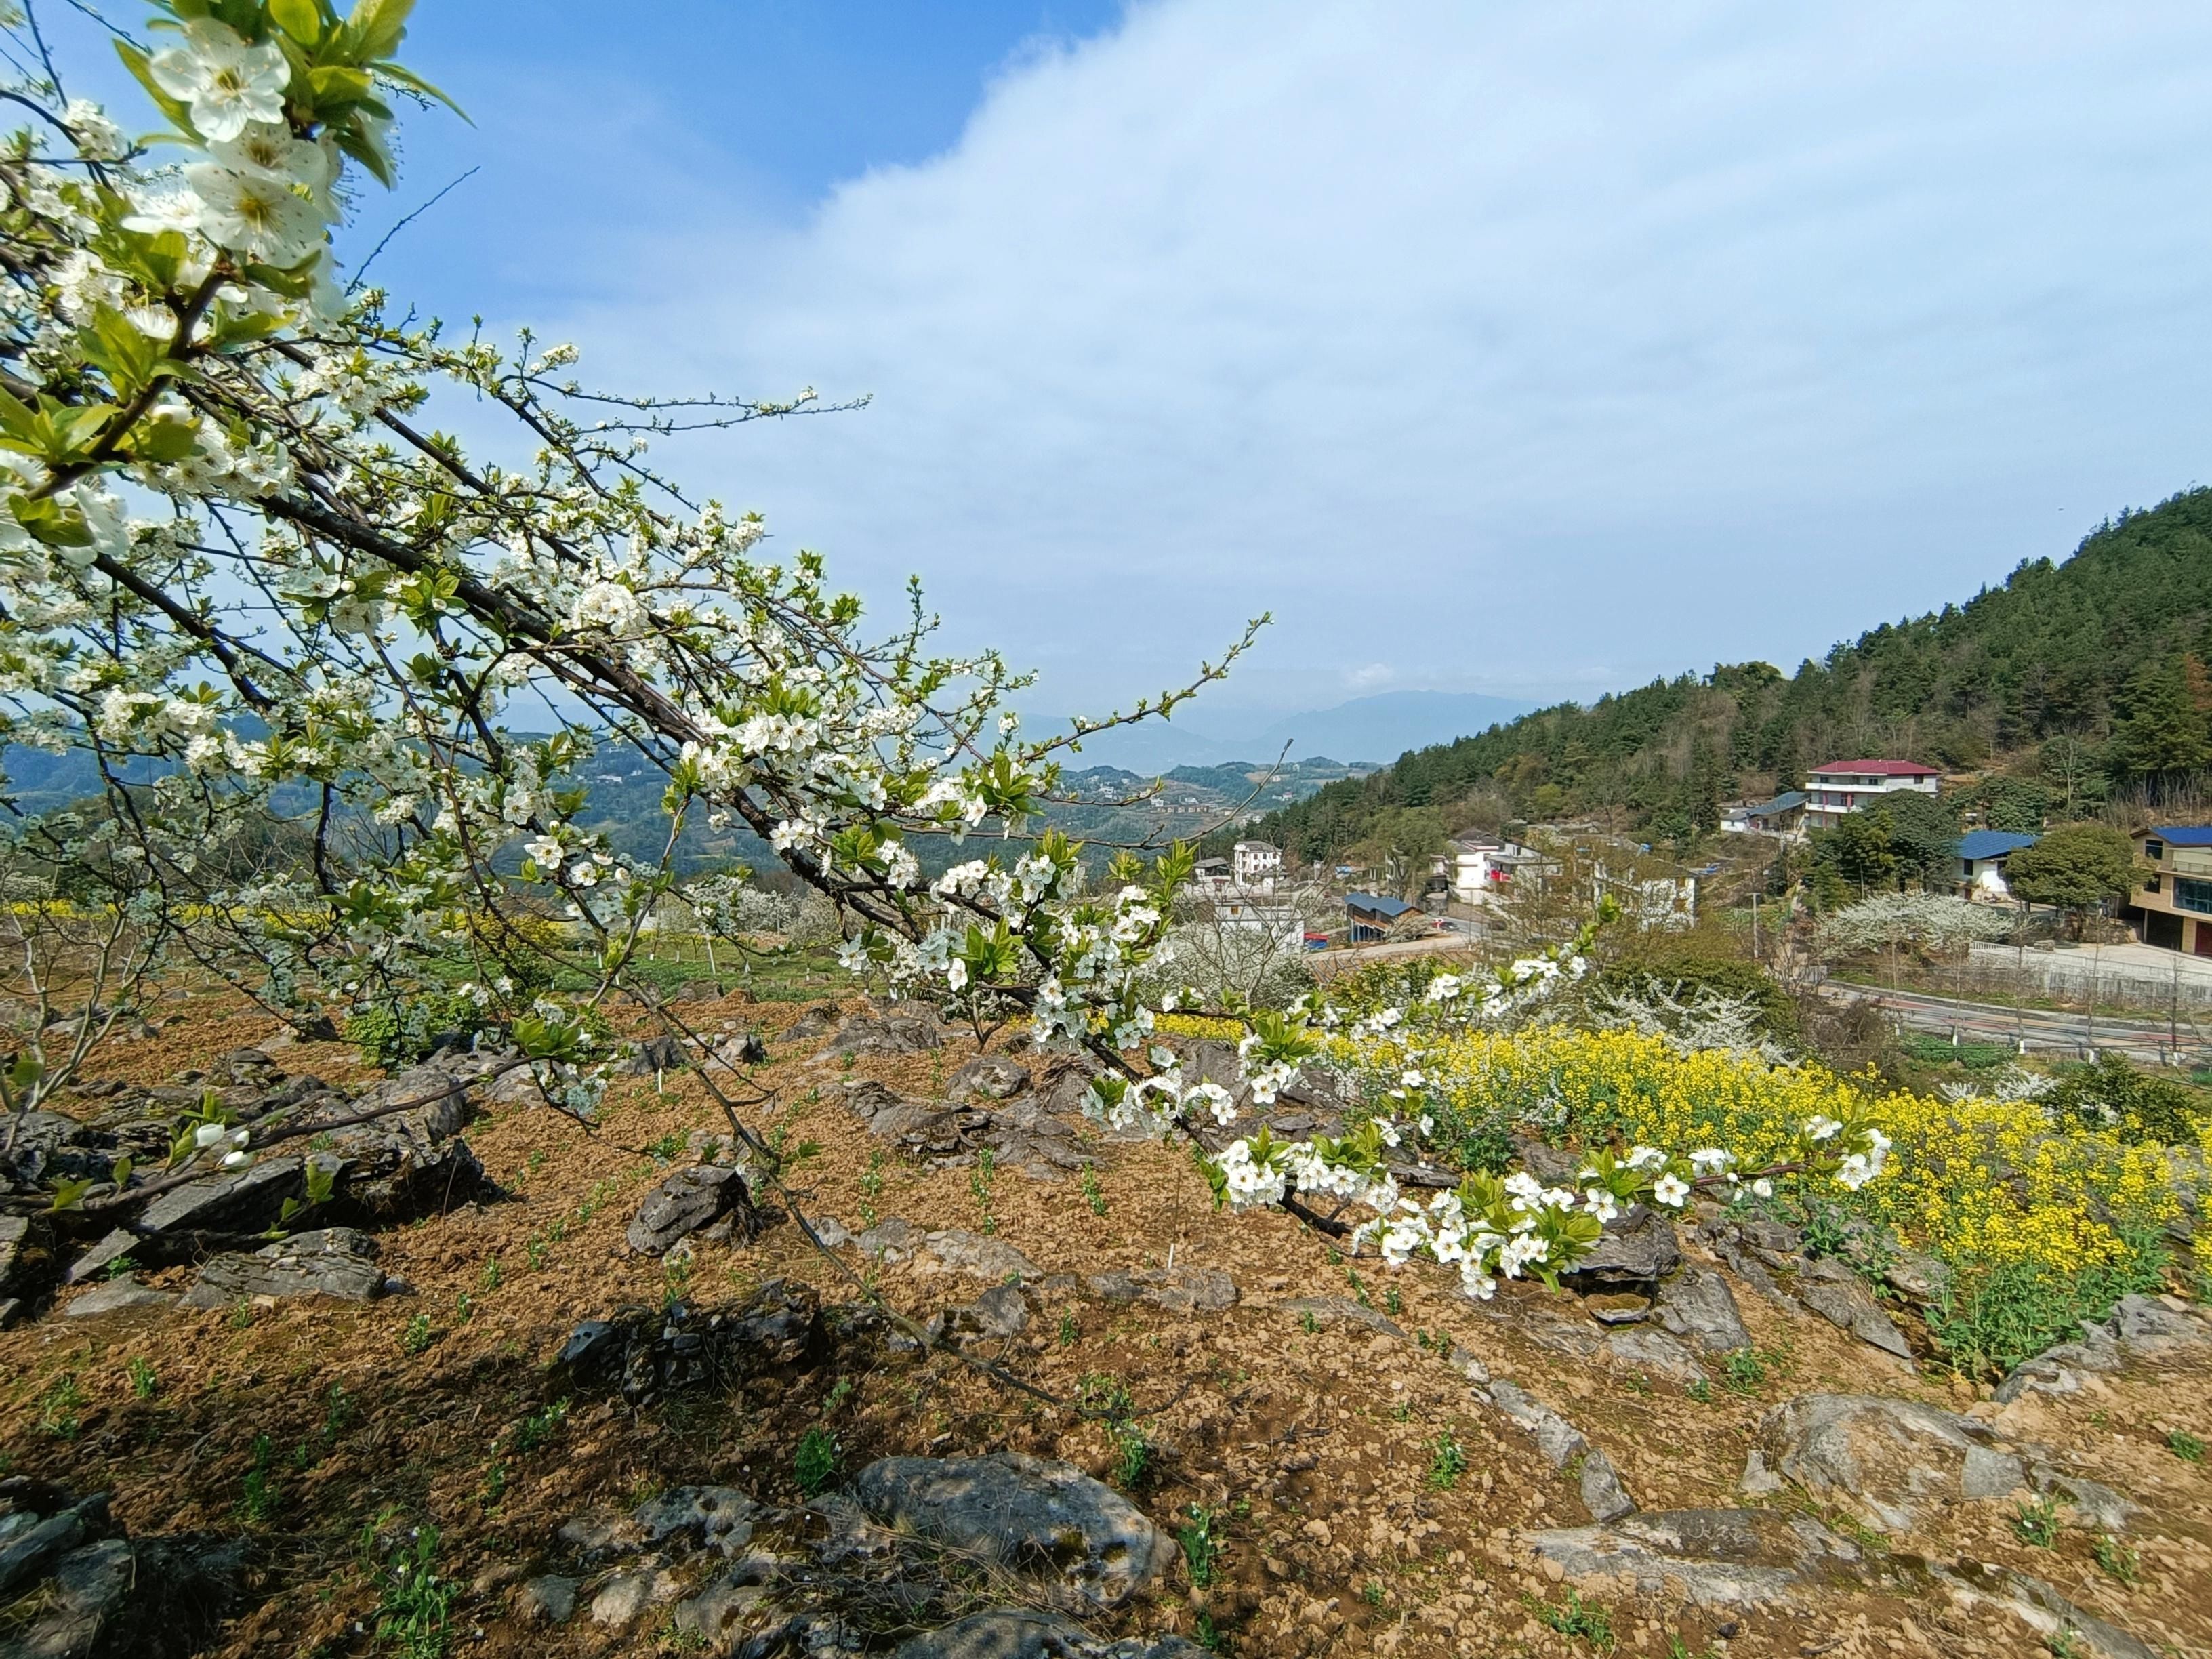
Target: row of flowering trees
[(292, 624)]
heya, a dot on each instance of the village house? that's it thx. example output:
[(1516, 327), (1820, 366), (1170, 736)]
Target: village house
[(1372, 915), (1256, 864), (2172, 905), (1782, 816), (1841, 788), (1982, 855), (1476, 868)]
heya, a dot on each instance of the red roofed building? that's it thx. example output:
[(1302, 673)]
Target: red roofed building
[(1841, 786)]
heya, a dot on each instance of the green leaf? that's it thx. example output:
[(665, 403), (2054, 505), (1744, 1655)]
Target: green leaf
[(298, 18), (366, 151), (54, 526), (332, 84), (376, 28), (141, 70), (164, 440), (70, 1194)]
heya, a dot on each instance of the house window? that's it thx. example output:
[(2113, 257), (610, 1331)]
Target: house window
[(2154, 849), (2195, 895), (2151, 882)]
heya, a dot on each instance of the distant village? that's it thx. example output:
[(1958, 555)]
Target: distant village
[(1471, 884)]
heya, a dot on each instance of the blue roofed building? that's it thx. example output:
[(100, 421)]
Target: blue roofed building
[(1372, 915), (1982, 855)]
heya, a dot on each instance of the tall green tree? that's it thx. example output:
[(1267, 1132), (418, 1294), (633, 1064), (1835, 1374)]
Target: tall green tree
[(2163, 733), (2075, 868)]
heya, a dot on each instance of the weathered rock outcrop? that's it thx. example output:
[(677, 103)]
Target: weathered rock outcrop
[(690, 1201), (333, 1261), (1084, 1543), (1890, 1462), (1710, 1558)]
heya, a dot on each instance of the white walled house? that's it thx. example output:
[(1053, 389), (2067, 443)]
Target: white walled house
[(1841, 788), (1478, 868), (1982, 855), (1256, 864)]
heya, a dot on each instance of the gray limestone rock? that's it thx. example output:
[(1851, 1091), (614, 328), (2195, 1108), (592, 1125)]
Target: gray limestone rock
[(333, 1261), (116, 1295), (1840, 1296), (1979, 1585), (894, 1239), (2059, 1369), (1637, 1248), (1710, 1558), (1643, 1349), (1697, 1305), (1023, 1633), (113, 1247), (550, 1600), (1083, 1542), (999, 1314), (2145, 1327), (895, 1028), (720, 1517), (685, 1202), (987, 1078), (2096, 1505), (719, 1614), (1177, 1290), (25, 1254), (1890, 1462), (956, 1251), (624, 1598), (1602, 1493), (652, 1056), (1558, 1439)]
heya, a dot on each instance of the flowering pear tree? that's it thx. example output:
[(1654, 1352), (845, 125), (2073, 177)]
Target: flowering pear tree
[(244, 574), (310, 644)]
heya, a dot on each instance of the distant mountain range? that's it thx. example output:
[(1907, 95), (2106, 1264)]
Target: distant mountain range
[(1369, 731)]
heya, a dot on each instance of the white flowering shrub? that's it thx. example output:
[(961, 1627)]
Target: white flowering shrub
[(1699, 1019), (1937, 922)]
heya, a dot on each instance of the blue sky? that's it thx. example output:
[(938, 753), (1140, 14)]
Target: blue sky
[(1533, 348)]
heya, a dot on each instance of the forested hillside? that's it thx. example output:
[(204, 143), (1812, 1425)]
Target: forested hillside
[(2086, 675)]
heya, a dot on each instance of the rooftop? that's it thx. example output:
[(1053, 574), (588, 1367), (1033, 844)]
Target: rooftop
[(1992, 843), (1788, 801), (1376, 904), (2182, 835), (1882, 769)]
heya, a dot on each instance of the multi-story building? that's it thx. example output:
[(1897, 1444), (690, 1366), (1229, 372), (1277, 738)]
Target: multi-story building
[(1256, 864), (1844, 787), (1476, 868), (2172, 905)]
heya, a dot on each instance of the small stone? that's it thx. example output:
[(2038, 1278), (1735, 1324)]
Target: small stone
[(987, 1078), (1618, 1307), (1836, 1293), (549, 1601), (625, 1598)]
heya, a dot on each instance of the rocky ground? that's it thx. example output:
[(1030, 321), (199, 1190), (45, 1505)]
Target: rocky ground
[(523, 1387)]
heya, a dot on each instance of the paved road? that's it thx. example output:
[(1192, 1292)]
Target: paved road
[(2046, 1032)]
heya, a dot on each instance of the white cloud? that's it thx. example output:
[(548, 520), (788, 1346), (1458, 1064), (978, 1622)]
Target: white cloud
[(1512, 347)]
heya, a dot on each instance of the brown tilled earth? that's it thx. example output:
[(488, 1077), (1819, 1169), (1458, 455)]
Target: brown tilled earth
[(1316, 1446)]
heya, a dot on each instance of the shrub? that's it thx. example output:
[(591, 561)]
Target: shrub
[(2136, 1104)]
